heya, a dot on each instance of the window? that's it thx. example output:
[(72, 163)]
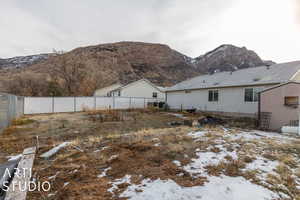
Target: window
[(291, 101), (213, 95), (251, 94), (119, 93), (154, 94)]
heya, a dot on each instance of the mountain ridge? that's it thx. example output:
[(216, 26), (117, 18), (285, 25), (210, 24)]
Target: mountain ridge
[(98, 66)]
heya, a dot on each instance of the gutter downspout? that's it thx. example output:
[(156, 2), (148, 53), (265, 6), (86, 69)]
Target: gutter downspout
[(259, 110)]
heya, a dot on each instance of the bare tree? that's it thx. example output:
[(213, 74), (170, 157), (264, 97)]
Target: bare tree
[(27, 84), (68, 74)]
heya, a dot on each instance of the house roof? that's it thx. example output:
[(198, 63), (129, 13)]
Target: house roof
[(274, 74), (277, 86), (111, 87), (143, 79)]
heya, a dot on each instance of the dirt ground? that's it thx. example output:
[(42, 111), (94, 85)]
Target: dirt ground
[(106, 147)]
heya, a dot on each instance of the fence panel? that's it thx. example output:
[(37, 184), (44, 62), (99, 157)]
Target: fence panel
[(85, 103), (64, 104), (138, 103), (3, 111), (10, 108), (38, 105), (121, 103), (20, 106), (104, 103)]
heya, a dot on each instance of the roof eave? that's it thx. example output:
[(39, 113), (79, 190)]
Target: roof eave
[(224, 86)]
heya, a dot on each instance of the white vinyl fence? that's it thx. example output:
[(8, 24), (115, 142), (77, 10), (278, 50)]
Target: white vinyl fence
[(11, 107), (39, 105)]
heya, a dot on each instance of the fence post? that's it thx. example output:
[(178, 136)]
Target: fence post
[(8, 118), (144, 103), (52, 104), (74, 104), (129, 102), (95, 103), (113, 102), (23, 100), (299, 123)]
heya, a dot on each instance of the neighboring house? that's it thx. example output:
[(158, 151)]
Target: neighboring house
[(141, 88), (106, 91), (233, 93), (282, 102)]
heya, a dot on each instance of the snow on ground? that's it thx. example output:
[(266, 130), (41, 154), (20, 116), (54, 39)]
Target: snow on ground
[(177, 163), (117, 182), (198, 134), (101, 149), (263, 165), (257, 135), (181, 116), (197, 166), (103, 174), (112, 157), (218, 188)]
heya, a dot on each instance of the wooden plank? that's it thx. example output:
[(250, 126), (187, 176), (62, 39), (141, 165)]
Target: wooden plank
[(19, 185)]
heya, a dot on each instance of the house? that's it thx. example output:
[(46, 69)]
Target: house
[(230, 93), (282, 102), (142, 88), (106, 90)]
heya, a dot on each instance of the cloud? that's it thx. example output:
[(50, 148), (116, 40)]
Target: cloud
[(192, 27), (33, 26), (297, 5)]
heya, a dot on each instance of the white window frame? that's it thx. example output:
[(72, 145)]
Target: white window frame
[(255, 91), (213, 96), (154, 96)]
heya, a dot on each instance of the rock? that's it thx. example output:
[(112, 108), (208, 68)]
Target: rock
[(228, 58)]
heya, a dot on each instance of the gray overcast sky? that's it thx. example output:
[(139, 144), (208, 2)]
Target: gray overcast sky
[(193, 27)]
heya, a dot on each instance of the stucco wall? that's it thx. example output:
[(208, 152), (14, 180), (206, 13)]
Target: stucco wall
[(273, 101), (141, 89), (231, 100)]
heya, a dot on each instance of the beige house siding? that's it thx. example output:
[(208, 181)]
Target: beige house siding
[(141, 89), (231, 100), (105, 91), (273, 101)]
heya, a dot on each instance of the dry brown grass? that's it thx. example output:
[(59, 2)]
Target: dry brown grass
[(297, 172), (288, 160), (248, 159), (22, 121), (143, 146), (270, 156), (106, 115), (229, 168), (252, 176)]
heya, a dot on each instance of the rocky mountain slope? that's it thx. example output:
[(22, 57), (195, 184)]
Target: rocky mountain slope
[(127, 61), (227, 58), (82, 70), (22, 61)]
